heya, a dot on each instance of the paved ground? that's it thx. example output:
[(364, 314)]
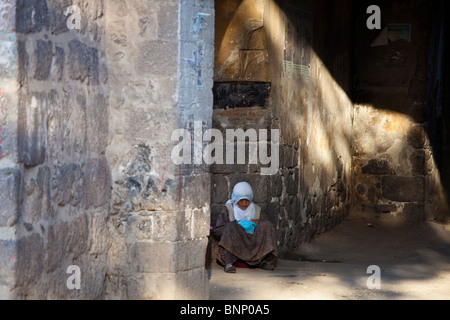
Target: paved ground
[(414, 261)]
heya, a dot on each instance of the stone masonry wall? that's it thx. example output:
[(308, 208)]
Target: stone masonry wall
[(55, 108), (390, 146), (160, 57), (86, 117), (310, 74), (309, 192)]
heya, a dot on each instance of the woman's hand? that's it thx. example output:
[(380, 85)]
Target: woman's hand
[(255, 221)]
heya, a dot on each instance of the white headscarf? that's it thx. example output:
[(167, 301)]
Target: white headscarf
[(242, 190)]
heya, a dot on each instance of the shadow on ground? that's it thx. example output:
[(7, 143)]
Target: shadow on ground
[(414, 260)]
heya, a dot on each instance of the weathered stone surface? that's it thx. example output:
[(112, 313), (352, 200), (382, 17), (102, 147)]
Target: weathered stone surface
[(23, 57), (219, 187), (98, 182), (57, 21), (59, 63), (385, 208), (418, 162), (68, 185), (83, 62), (97, 129), (56, 245), (99, 233), (154, 256), (192, 284), (32, 128), (37, 197), (378, 167), (31, 15), (78, 237), (414, 213), (44, 57), (64, 109), (240, 95), (403, 189), (416, 137), (169, 256), (8, 259), (30, 261), (240, 47), (10, 197)]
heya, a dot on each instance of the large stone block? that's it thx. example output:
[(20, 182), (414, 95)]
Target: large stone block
[(68, 185), (169, 257), (220, 193), (154, 256), (196, 191), (192, 285), (8, 259), (58, 68), (78, 237), (414, 213), (30, 261), (416, 137), (378, 167), (56, 245), (10, 196), (190, 254), (98, 182), (403, 189), (44, 57), (99, 233), (157, 226), (57, 21), (24, 62), (193, 223), (83, 62), (37, 197), (32, 124), (31, 15), (97, 127)]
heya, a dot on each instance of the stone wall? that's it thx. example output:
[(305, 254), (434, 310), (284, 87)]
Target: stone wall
[(311, 77), (55, 108), (160, 57), (390, 145), (87, 114)]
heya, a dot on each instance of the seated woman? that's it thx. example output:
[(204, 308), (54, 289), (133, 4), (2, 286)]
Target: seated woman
[(244, 233)]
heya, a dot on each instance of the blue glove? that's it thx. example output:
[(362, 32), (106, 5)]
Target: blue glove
[(248, 226)]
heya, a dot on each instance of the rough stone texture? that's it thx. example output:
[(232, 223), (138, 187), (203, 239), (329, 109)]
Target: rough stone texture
[(11, 186), (83, 62), (311, 108), (31, 16), (241, 45), (32, 129), (160, 211), (45, 214), (389, 137), (44, 56), (403, 189)]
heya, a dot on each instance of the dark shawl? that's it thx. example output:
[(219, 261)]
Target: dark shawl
[(250, 248)]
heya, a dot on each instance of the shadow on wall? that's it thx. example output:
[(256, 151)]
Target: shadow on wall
[(353, 113)]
